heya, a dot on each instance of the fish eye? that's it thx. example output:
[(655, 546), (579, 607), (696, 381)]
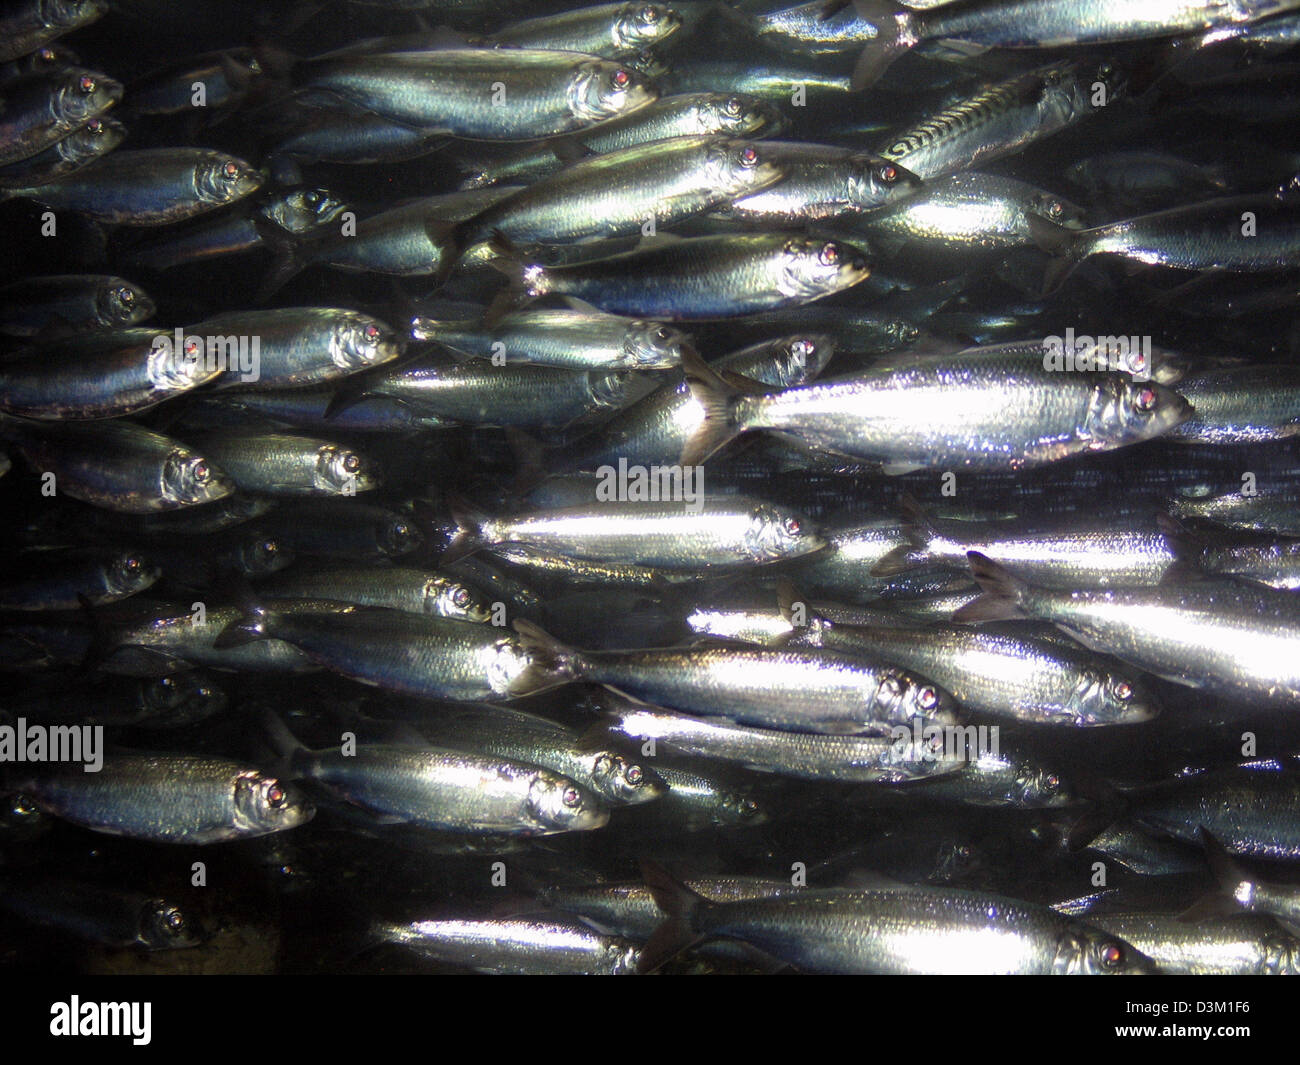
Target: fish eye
[(1146, 400), (460, 597), (191, 347), (351, 462), (372, 332), (749, 157), (829, 255), (46, 55), (254, 66), (927, 698), (1123, 690), (1052, 782), (268, 547), (887, 174), (1055, 208), (175, 920), (649, 14), (125, 295), (230, 169), (634, 775), (571, 797), (663, 333), (792, 526), (167, 682), (1105, 70), (201, 472), (94, 127), (620, 78), (86, 84), (804, 348), (748, 808), (275, 796), (1112, 955), (131, 564)]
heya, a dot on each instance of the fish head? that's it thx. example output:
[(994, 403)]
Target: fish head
[(648, 63), (652, 346), (599, 89), (68, 15), (739, 167), (173, 369), (812, 268), (129, 572), (260, 553), (1057, 210), (82, 94), (563, 806), (1105, 698), (640, 25), (1084, 951), (188, 478), (339, 469), (1279, 953), (1101, 85), (264, 804), (874, 181), (302, 210), (609, 390), (776, 533), (913, 757), (799, 359), (164, 926), (1123, 411), (447, 598), (397, 536), (49, 57), (624, 782), (738, 114), (183, 696), (224, 179), (97, 137), (903, 698), (1039, 788), (119, 303), (359, 342), (739, 808)]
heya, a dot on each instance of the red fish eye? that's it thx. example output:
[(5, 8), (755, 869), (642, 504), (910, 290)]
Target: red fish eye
[(830, 254), (1111, 955), (231, 170), (1123, 690), (351, 463), (749, 156), (126, 296), (94, 126), (1146, 399), (275, 796), (201, 471), (46, 55), (460, 597), (620, 78), (1055, 209), (269, 547), (649, 14), (191, 347), (571, 797), (86, 84), (927, 698), (889, 174), (372, 332), (132, 564), (634, 774)]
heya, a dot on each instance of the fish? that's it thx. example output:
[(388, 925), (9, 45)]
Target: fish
[(894, 932), (283, 464), (695, 277), (888, 414), (93, 140), (169, 798), (97, 914), (548, 92), (775, 688), (1240, 946), (55, 303), (31, 24), (448, 789), (63, 580), (614, 31), (1223, 635), (518, 946), (41, 110), (415, 591), (148, 186), (118, 465)]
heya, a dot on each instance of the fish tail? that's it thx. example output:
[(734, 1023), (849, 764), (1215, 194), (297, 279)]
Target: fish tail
[(1003, 593), (469, 537), (1060, 242), (282, 747), (287, 260), (680, 905), (526, 279), (896, 33), (717, 396), (1227, 876), (918, 530), (552, 662)]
